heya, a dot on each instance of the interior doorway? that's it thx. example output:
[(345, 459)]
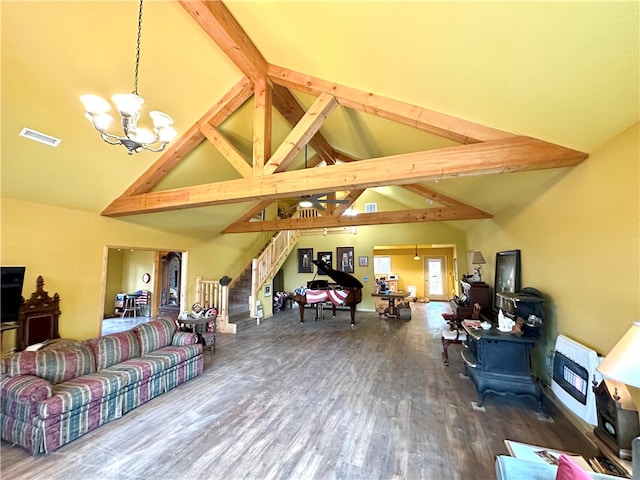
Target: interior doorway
[(131, 269), (435, 278)]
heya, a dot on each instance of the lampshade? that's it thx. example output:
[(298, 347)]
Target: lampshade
[(478, 259), (623, 362)]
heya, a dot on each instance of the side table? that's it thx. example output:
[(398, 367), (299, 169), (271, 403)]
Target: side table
[(201, 327)]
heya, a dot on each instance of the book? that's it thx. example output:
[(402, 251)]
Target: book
[(536, 453)]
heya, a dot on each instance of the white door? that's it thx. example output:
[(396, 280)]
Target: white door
[(435, 278)]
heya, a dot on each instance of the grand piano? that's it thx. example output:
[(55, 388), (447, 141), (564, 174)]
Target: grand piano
[(347, 290)]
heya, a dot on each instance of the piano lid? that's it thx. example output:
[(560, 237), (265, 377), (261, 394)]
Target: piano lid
[(341, 278)]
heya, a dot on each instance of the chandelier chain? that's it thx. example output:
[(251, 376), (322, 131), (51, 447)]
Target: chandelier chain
[(135, 78)]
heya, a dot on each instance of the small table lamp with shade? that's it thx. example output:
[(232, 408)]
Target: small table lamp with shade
[(477, 260), (623, 365)]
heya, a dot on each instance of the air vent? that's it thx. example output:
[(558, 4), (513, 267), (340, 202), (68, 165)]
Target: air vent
[(40, 137), (370, 207)]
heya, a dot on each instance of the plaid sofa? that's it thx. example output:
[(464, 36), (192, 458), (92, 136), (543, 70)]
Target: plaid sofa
[(54, 395)]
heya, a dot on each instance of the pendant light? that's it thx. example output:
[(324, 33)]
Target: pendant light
[(129, 105)]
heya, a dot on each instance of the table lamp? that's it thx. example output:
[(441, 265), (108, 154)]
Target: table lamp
[(623, 365), (477, 260)]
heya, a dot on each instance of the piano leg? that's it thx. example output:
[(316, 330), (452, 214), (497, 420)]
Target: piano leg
[(301, 301)]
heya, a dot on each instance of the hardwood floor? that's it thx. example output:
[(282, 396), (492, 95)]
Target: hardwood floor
[(315, 401)]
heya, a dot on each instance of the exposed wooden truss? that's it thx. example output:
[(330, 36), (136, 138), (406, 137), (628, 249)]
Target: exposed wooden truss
[(265, 178)]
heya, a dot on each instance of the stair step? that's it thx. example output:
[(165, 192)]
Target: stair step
[(243, 323)]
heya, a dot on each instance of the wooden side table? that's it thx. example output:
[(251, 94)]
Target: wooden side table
[(200, 326)]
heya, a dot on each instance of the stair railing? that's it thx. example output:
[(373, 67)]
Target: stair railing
[(271, 257), (210, 293)]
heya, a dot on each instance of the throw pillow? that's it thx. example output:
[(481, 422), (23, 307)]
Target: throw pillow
[(569, 470)]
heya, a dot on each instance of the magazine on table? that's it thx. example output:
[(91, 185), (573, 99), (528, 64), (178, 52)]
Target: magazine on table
[(543, 455)]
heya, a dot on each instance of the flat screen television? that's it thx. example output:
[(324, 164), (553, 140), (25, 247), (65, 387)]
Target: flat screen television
[(12, 279), (507, 275)]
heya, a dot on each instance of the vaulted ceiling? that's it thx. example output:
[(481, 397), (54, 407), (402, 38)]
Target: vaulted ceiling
[(433, 106)]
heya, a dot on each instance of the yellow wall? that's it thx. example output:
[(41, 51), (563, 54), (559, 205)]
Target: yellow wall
[(579, 240), (410, 271), (363, 242), (69, 249)]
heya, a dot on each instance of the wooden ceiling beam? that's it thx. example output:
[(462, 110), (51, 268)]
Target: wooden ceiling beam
[(351, 197), (215, 19), (223, 108), (446, 126), (491, 157), (286, 104), (308, 125), (380, 218), (227, 149), (262, 125), (434, 196)]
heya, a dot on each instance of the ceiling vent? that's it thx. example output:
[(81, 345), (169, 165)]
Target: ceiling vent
[(40, 137)]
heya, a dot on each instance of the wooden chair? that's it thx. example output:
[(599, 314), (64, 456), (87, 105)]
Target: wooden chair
[(455, 333), (38, 320)]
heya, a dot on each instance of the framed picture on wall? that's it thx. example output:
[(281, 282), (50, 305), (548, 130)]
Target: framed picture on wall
[(326, 257), (305, 265), (507, 274), (363, 261), (344, 260)]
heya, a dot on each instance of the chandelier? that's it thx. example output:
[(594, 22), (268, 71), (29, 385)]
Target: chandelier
[(129, 105)]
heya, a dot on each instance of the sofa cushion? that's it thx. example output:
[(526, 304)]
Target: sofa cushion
[(172, 355), (21, 363), (81, 391), (155, 334), (139, 369), (569, 470), (54, 364), (114, 348), (24, 388), (184, 338)]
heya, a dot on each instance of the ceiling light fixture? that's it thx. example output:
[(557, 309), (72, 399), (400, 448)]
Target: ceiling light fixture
[(416, 256), (129, 105)]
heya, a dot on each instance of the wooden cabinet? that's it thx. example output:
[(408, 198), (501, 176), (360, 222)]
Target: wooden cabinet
[(170, 296), (472, 293), (499, 363)]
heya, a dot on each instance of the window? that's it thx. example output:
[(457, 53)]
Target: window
[(381, 265), (370, 207)]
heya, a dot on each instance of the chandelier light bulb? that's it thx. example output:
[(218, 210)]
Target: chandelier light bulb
[(142, 135), (128, 104), (101, 121), (160, 119), (94, 104), (166, 134)]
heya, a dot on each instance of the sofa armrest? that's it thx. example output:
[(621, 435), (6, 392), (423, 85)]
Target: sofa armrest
[(180, 339), (24, 388)]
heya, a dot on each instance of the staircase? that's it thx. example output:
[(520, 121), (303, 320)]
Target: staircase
[(239, 294)]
